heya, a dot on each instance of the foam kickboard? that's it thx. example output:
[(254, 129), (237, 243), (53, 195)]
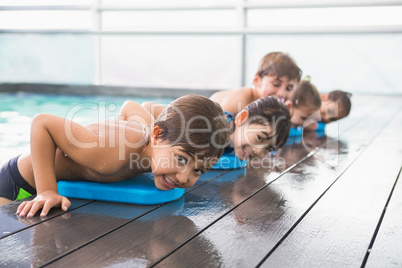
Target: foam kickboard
[(321, 127), (295, 131), (139, 190), (229, 162)]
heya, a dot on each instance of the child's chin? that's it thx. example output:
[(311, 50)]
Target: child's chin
[(241, 157), (159, 187)]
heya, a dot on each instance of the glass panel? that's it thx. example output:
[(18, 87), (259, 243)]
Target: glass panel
[(315, 2), (196, 62), (343, 16), (37, 58), (37, 19), (167, 3), (363, 63), (44, 2), (168, 19)]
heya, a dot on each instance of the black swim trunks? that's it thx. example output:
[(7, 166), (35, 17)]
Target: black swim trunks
[(11, 181)]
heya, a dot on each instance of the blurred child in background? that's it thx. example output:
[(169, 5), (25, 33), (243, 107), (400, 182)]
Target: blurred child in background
[(335, 105), (304, 104), (277, 75)]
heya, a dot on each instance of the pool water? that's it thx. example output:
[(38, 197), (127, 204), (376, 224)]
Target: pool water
[(18, 109)]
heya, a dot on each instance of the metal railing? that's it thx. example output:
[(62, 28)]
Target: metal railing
[(241, 29)]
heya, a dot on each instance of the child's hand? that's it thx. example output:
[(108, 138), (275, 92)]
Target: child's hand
[(45, 200)]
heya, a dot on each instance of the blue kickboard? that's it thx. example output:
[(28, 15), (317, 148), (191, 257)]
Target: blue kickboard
[(295, 131), (294, 140), (139, 190), (229, 162), (321, 127)]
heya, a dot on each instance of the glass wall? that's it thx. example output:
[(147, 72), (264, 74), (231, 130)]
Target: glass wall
[(352, 45)]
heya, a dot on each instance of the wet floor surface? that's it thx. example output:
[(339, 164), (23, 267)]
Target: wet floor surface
[(323, 200)]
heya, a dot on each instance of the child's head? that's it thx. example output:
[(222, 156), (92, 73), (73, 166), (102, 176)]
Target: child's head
[(188, 138), (277, 75), (335, 105), (261, 127), (304, 102)]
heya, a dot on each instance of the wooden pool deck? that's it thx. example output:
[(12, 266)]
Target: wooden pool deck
[(331, 201)]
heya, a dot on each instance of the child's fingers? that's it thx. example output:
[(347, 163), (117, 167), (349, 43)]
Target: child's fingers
[(35, 207), (46, 207), (65, 203), (29, 208), (26, 206), (21, 207)]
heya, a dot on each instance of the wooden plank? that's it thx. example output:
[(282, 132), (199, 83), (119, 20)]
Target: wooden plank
[(359, 112), (153, 236), (338, 229), (387, 249), (11, 223), (343, 143), (41, 239), (47, 240), (207, 177), (244, 237)]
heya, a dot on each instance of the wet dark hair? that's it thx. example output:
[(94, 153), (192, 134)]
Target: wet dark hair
[(343, 99), (279, 64), (269, 110), (306, 95), (197, 124)]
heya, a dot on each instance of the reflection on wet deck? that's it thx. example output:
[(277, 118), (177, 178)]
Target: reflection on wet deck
[(318, 202)]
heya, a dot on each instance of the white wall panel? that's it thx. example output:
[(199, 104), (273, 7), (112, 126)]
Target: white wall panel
[(356, 63), (198, 62)]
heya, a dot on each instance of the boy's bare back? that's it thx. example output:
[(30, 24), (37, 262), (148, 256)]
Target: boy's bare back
[(108, 164), (234, 101)]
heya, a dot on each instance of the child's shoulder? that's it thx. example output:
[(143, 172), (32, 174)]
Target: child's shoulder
[(243, 91)]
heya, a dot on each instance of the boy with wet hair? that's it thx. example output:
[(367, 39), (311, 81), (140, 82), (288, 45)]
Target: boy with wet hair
[(259, 128), (181, 145), (277, 75)]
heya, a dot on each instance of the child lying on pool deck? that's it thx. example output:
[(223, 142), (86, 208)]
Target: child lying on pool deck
[(184, 142), (277, 75), (259, 128), (335, 105), (304, 104)]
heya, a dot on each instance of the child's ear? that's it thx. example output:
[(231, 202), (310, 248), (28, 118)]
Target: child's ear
[(256, 81), (324, 96), (289, 104), (156, 132), (241, 118)]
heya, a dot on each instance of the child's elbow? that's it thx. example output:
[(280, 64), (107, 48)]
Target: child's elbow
[(40, 118), (147, 105), (39, 122), (129, 102)]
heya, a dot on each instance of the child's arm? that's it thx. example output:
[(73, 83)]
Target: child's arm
[(49, 132), (133, 111), (153, 108), (43, 150)]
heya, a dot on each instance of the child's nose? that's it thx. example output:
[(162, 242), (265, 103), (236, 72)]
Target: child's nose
[(183, 177), (259, 153), (281, 93)]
